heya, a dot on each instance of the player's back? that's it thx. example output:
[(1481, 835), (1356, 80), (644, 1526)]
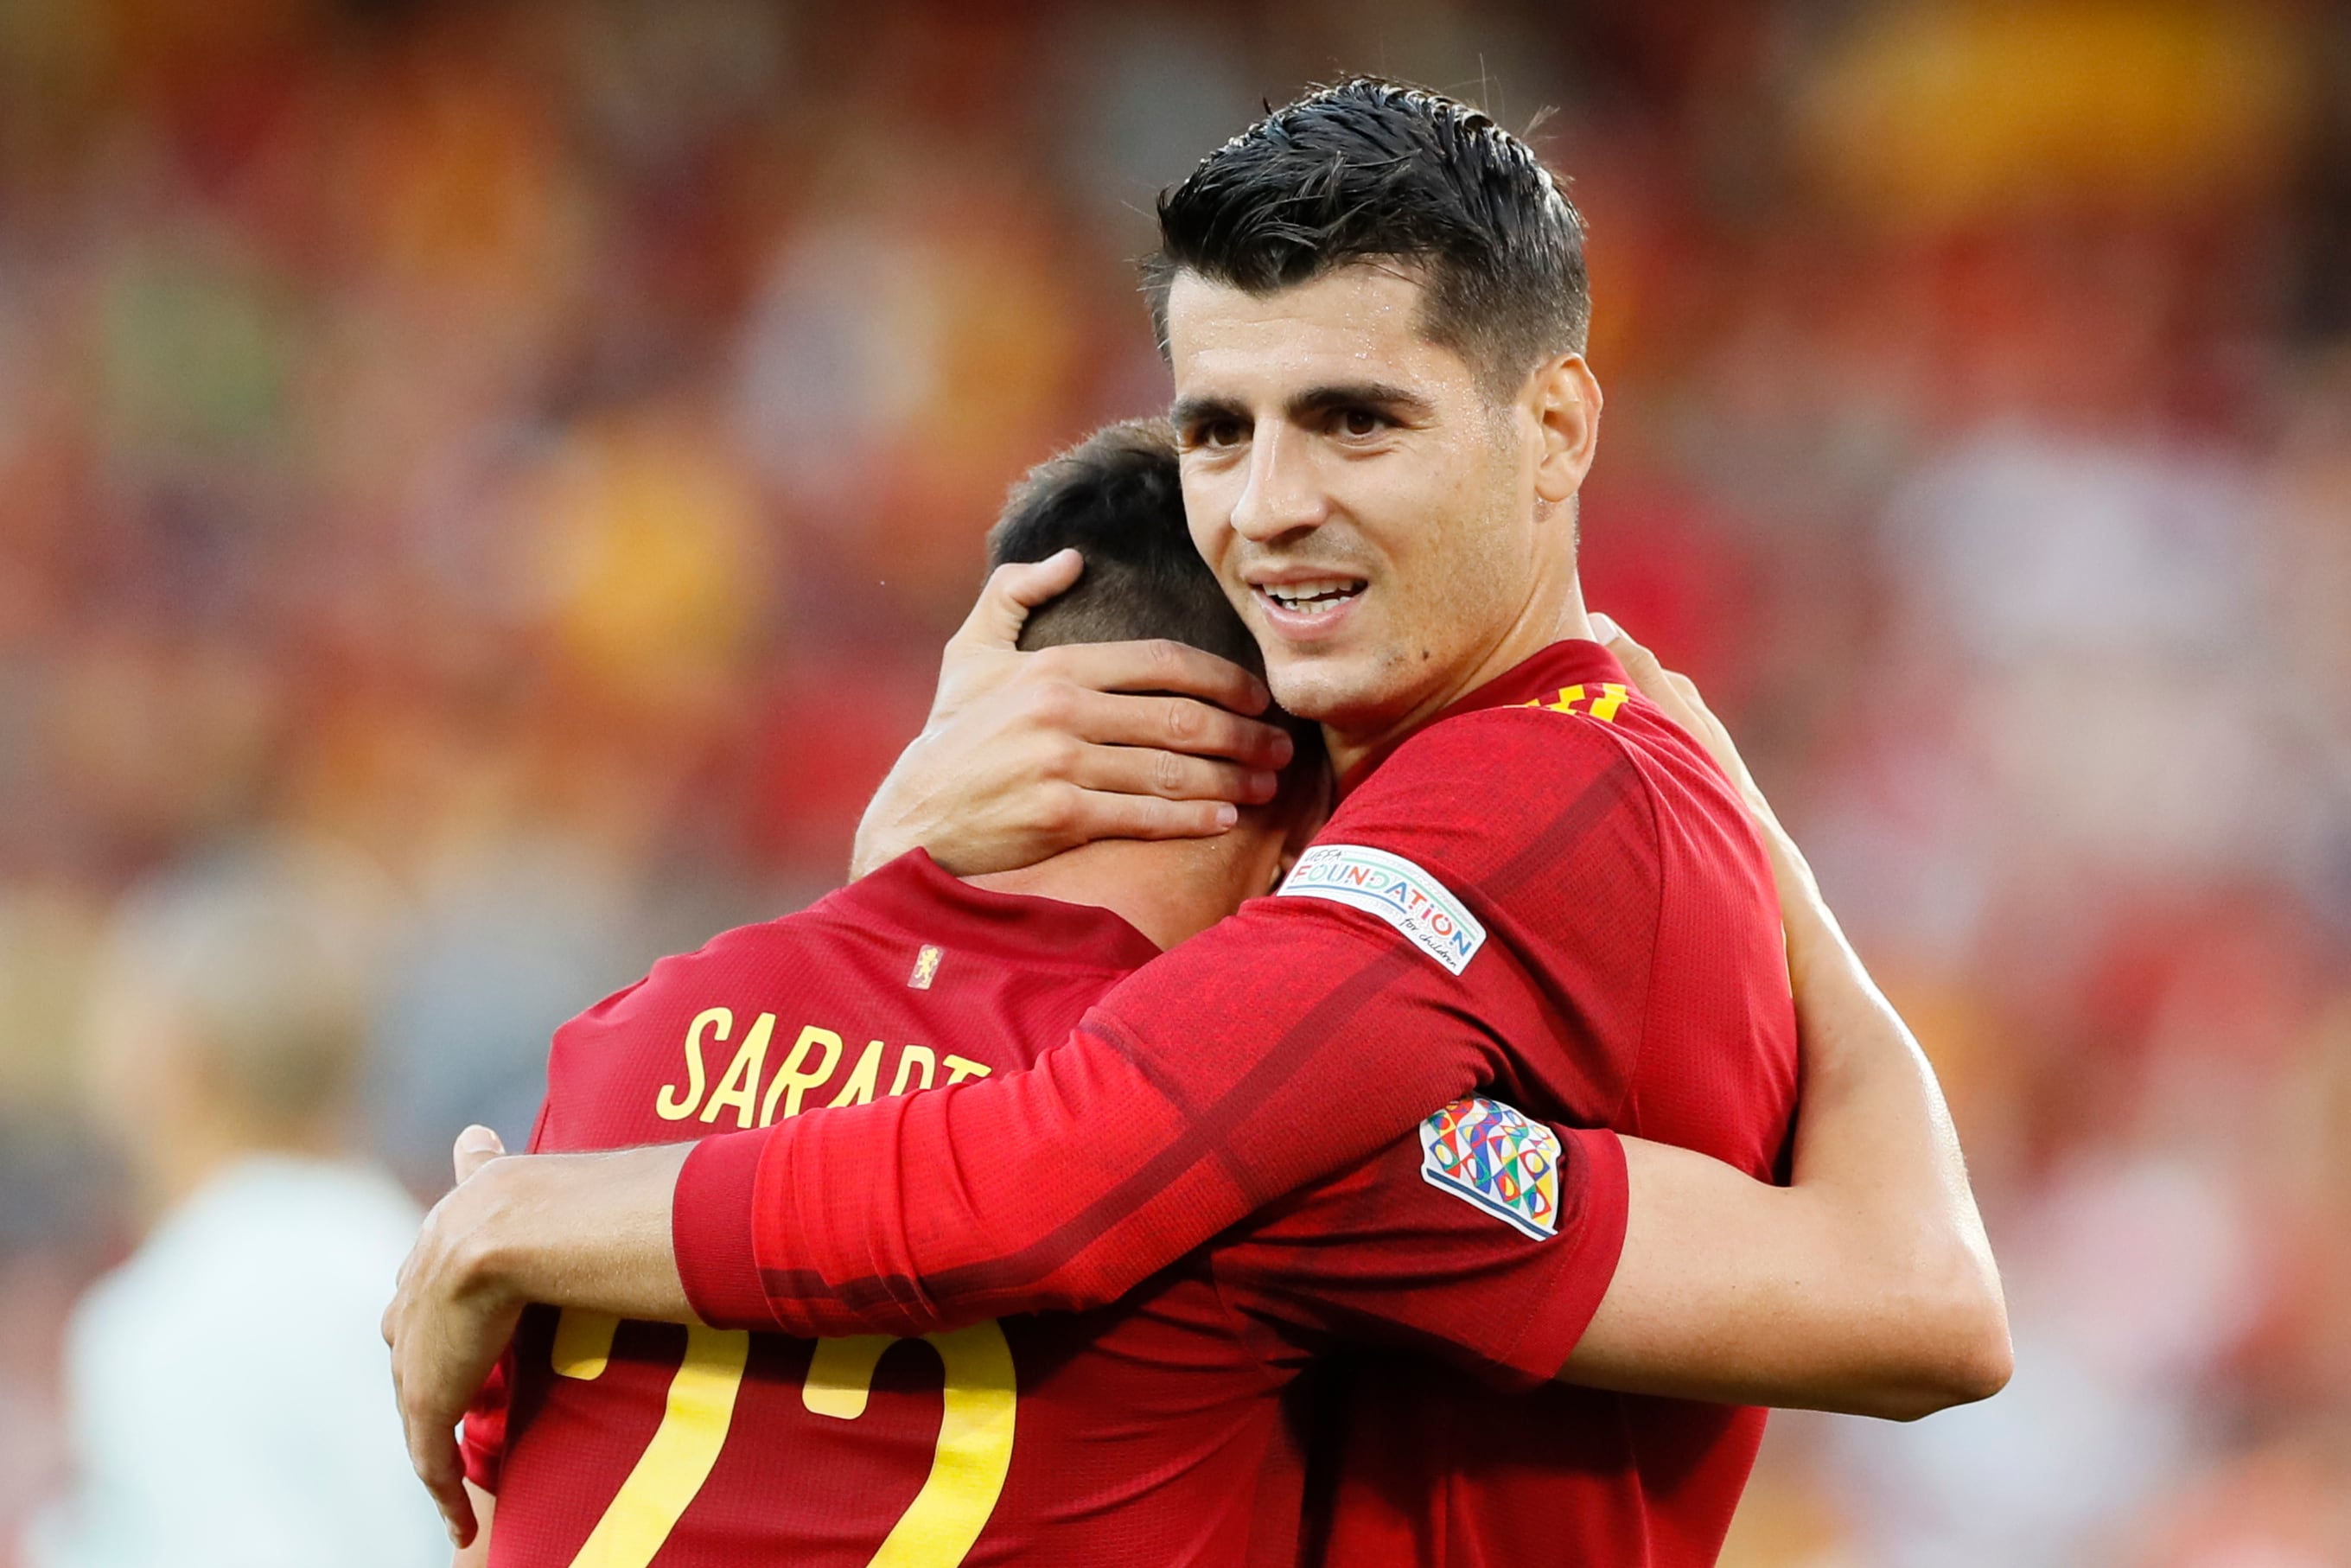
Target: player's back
[(643, 1443)]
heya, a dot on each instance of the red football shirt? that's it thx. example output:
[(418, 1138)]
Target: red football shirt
[(1148, 1431), (1550, 888)]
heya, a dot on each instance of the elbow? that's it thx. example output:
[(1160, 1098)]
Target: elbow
[(1962, 1354)]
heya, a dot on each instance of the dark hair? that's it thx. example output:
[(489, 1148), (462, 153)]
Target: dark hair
[(1118, 498), (1373, 168)]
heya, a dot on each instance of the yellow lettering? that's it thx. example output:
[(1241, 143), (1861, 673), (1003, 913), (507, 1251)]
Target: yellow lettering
[(962, 1067), (791, 1082), (907, 1059), (740, 1087), (859, 1089), (670, 1106)]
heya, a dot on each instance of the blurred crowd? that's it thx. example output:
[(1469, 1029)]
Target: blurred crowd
[(536, 448)]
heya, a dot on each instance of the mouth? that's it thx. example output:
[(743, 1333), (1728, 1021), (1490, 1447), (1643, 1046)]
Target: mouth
[(1317, 597)]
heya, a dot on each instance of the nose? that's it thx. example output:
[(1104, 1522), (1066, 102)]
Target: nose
[(1282, 492)]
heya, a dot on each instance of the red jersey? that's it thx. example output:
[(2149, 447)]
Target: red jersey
[(1549, 888), (1139, 1432)]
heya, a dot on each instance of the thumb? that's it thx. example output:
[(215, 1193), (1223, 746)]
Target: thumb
[(1013, 589), (476, 1147)]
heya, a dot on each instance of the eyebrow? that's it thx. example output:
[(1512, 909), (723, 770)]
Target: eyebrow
[(1382, 395)]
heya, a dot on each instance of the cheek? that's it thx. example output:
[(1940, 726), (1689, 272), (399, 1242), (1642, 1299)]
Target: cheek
[(1207, 513)]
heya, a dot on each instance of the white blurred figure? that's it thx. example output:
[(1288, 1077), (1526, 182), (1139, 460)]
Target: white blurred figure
[(229, 1399)]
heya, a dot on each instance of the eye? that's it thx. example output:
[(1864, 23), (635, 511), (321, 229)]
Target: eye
[(1216, 433), (1361, 422)]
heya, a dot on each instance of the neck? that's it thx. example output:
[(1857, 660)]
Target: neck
[(1168, 891), (1551, 614)]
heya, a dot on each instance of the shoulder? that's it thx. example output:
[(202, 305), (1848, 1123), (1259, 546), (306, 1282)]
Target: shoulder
[(1499, 782)]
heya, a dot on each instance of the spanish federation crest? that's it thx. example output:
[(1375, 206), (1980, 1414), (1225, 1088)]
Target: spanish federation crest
[(1485, 1153)]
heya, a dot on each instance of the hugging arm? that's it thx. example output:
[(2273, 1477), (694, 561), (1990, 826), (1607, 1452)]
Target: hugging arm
[(1512, 1248), (1867, 1285)]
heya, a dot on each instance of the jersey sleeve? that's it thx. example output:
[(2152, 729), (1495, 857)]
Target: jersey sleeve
[(1490, 892), (1488, 1239)]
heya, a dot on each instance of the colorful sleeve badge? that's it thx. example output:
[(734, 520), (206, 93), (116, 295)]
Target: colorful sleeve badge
[(1487, 1154)]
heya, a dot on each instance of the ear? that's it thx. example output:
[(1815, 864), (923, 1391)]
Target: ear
[(1566, 401)]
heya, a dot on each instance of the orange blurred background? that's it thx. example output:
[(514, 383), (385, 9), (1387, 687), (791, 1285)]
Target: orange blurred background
[(544, 446)]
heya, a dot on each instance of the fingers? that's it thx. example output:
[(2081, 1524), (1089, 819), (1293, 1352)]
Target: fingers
[(1098, 815), (476, 1147), (1170, 724), (432, 1442), (1157, 666), (1014, 590), (443, 1470), (1171, 776)]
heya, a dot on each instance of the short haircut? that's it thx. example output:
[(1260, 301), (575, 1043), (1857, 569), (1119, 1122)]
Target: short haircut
[(1373, 170), (1117, 497)]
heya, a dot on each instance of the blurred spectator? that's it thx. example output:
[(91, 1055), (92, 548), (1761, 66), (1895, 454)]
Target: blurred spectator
[(228, 1399)]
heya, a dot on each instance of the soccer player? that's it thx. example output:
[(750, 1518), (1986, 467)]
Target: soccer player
[(1374, 305), (1387, 1253), (1142, 1428)]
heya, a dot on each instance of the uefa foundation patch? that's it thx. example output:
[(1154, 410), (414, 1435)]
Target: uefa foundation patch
[(1484, 1153), (1395, 890)]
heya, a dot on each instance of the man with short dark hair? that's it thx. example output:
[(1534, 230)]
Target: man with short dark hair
[(1534, 880)]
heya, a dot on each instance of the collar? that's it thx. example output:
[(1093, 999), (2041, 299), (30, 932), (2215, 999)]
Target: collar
[(915, 892), (1542, 676)]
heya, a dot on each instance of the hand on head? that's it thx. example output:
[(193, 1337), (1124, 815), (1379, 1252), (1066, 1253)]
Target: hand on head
[(1028, 753)]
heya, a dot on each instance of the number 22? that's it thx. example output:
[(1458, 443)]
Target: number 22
[(967, 1469)]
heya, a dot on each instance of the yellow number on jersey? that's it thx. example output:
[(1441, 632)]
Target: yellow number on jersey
[(975, 1448), (968, 1467)]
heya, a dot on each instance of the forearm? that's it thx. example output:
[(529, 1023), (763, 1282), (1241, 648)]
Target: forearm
[(1867, 1286), (1060, 1188), (589, 1230), (1733, 1290)]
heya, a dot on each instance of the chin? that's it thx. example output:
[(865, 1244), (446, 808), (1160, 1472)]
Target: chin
[(1325, 692)]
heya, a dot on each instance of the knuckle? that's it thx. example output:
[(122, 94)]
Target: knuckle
[(1167, 658), (1060, 808), (1053, 704), (1168, 773), (1183, 721)]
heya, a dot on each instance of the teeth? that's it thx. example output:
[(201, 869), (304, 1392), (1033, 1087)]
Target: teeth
[(1315, 598)]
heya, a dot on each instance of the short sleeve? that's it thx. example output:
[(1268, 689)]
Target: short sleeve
[(1488, 1239)]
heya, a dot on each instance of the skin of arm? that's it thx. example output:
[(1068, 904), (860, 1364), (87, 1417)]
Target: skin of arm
[(1868, 1285)]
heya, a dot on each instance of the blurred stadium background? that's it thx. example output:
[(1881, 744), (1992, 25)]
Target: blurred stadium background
[(544, 444)]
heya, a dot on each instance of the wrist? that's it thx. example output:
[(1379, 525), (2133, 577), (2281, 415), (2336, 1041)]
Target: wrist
[(484, 1253)]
